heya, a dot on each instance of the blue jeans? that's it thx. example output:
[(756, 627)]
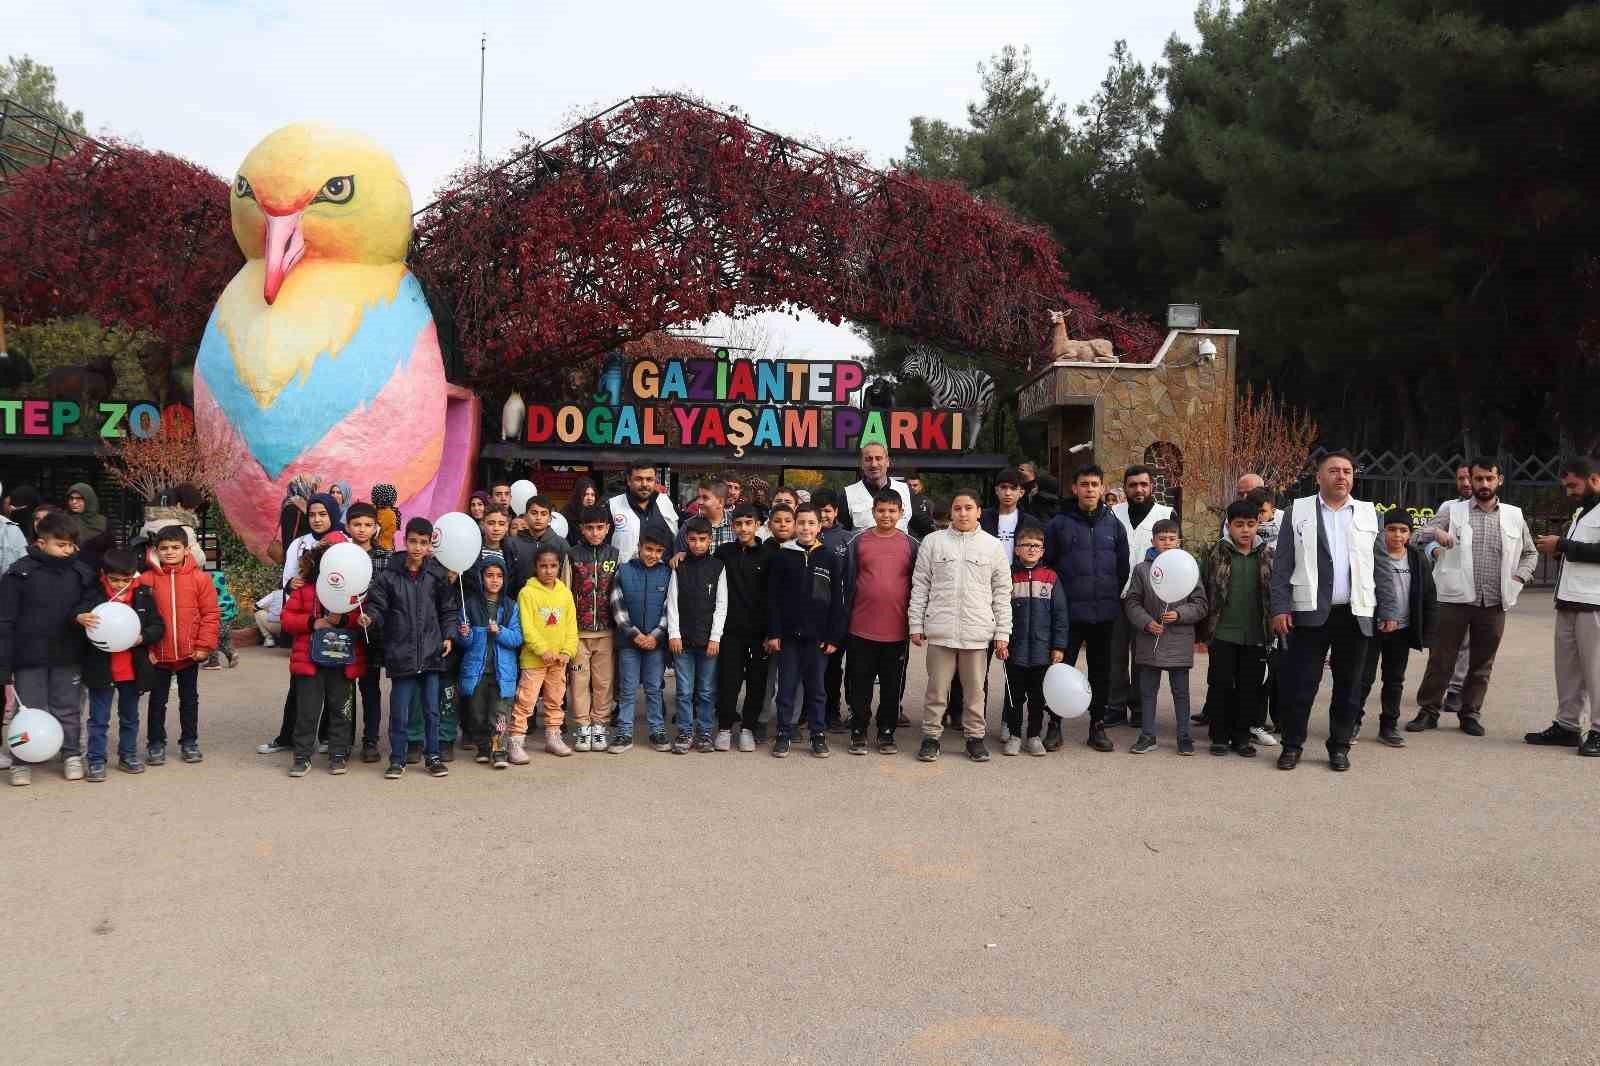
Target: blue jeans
[(633, 667), (402, 690), (1149, 685), (127, 697), (696, 674), (449, 717), (801, 662)]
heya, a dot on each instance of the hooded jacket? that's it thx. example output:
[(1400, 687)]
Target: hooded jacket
[(188, 604), (415, 614), (475, 657), (300, 612), (805, 594), (40, 598), (1174, 649), (961, 590), (94, 536), (549, 623), (104, 669), (1090, 553)]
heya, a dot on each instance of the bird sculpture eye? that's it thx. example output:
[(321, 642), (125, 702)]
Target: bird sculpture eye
[(337, 190), (242, 190)]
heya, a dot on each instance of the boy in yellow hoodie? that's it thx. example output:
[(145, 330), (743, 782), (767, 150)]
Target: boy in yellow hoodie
[(550, 640)]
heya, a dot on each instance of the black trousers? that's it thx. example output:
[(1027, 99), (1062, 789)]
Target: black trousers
[(371, 690), (741, 661), (1096, 636), (883, 663), (323, 698), (1393, 652), (1308, 647), (1027, 688), (291, 714), (1233, 690), (833, 682)]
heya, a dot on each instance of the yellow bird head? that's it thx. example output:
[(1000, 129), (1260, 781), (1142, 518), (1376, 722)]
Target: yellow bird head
[(310, 192)]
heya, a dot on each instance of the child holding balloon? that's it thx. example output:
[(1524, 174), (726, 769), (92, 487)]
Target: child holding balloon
[(328, 655), (1038, 637), (123, 673), (1163, 614)]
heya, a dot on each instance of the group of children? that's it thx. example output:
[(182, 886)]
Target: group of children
[(540, 626)]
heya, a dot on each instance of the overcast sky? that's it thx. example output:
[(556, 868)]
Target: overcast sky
[(207, 80)]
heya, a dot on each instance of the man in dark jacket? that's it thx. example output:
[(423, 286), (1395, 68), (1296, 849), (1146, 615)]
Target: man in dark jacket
[(743, 659), (414, 606), (1088, 548), (1041, 493)]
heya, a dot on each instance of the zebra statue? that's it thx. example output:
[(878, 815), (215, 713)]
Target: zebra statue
[(970, 391)]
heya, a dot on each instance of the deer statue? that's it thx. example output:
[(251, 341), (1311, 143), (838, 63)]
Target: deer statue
[(1065, 349)]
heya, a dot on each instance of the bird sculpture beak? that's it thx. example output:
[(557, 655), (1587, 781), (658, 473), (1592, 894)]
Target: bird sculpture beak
[(285, 247)]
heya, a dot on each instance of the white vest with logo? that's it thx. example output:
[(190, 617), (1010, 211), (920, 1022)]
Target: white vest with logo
[(1139, 539), (1580, 582), (1452, 567), (626, 526), (858, 501), (1362, 540)]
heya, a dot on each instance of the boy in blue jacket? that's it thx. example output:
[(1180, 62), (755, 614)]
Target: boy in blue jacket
[(1038, 637), (492, 632), (639, 611), (805, 625)]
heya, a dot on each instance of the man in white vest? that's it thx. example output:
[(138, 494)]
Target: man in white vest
[(874, 478), (632, 509), (1325, 596), (1577, 643), (1138, 512), (1485, 557)]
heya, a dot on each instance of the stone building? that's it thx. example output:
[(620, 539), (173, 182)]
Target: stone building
[(1119, 414)]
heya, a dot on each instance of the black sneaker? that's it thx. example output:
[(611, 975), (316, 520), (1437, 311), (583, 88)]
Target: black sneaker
[(1185, 746), (1391, 736), (480, 752), (300, 767), (1097, 740), (858, 742), (1145, 743), (1052, 735), (338, 764), (1219, 749), (704, 743), (1590, 748), (394, 771), (436, 767), (1556, 736), (929, 750), (95, 772), (1199, 719), (1422, 721), (156, 755), (130, 765), (190, 752), (1245, 750), (1472, 727), (977, 750), (683, 743), (839, 726), (369, 751), (499, 758), (1115, 718), (413, 753), (660, 742), (621, 744), (886, 744), (819, 745), (780, 748)]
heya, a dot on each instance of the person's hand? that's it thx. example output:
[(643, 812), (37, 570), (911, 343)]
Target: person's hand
[(1518, 579), (1549, 544), (1155, 629), (153, 659), (465, 630), (448, 646), (450, 576), (829, 649), (1057, 657), (494, 628), (773, 646), (917, 639), (88, 620), (642, 642), (322, 623), (673, 562), (1445, 539), (200, 655), (1388, 626), (552, 658), (676, 645), (1002, 650), (1170, 617), (1281, 624), (296, 583), (714, 648)]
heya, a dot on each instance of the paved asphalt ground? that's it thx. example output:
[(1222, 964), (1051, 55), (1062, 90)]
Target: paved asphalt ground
[(1434, 905)]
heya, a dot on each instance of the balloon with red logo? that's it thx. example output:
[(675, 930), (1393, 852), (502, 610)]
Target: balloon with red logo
[(344, 577), (457, 541)]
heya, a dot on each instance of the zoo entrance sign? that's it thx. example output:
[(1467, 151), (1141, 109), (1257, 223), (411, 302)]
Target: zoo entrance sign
[(739, 405)]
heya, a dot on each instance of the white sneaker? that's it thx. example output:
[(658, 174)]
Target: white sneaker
[(724, 740), (72, 767), (1260, 735), (597, 738), (21, 774), (1005, 735), (747, 740), (271, 748), (581, 741), (1013, 746), (268, 642)]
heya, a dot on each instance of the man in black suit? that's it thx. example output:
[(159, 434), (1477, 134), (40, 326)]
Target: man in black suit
[(1325, 595)]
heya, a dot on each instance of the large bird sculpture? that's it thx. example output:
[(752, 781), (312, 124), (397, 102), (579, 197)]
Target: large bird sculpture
[(321, 354)]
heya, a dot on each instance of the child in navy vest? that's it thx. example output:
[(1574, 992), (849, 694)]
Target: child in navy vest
[(697, 610)]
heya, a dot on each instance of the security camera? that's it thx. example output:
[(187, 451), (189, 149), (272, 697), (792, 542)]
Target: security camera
[(1207, 350)]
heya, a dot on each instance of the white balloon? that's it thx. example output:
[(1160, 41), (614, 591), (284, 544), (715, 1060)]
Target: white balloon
[(558, 522), (457, 540), (33, 735), (344, 578), (521, 493), (118, 629), (1066, 691), (1173, 575)]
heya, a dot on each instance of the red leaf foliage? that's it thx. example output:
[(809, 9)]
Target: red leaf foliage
[(128, 236)]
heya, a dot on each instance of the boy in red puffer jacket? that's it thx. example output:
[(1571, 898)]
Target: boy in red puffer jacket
[(322, 687), (188, 604)]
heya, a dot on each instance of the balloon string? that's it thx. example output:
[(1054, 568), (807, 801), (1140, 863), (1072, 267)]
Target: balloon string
[(1157, 645)]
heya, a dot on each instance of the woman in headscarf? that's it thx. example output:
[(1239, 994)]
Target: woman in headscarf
[(292, 513), (340, 491), (478, 505), (584, 494), (326, 525), (94, 536)]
